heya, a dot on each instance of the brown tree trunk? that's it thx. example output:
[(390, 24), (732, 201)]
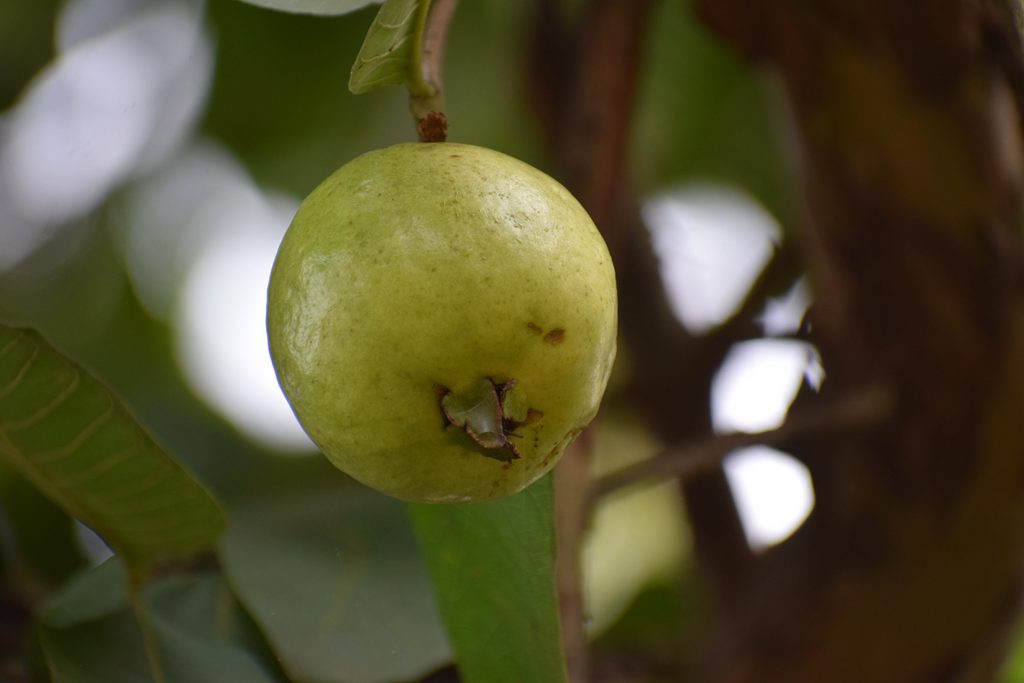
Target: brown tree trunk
[(908, 120)]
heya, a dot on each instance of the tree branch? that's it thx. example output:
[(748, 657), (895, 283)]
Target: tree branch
[(861, 410)]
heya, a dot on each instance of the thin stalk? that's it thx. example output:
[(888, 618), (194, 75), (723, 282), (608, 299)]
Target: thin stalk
[(426, 91)]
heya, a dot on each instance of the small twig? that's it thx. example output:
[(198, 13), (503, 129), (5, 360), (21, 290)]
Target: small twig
[(857, 410), (428, 109)]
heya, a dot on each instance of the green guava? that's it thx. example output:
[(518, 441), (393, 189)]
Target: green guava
[(442, 319)]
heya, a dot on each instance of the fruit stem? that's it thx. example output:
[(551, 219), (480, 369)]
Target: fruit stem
[(430, 37)]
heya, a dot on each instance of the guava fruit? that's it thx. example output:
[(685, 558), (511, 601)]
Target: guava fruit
[(442, 319)]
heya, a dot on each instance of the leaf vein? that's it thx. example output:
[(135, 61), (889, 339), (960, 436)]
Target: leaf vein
[(20, 375), (400, 22), (126, 494), (101, 467), (67, 449), (178, 497), (26, 422), (8, 346), (383, 57)]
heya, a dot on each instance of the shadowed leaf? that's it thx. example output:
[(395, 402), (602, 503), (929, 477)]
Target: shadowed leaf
[(90, 634), (43, 533), (69, 436), (330, 571), (92, 594), (493, 566)]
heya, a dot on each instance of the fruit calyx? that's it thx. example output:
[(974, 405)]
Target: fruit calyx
[(489, 415)]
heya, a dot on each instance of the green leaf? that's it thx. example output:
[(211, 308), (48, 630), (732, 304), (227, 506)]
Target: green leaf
[(66, 433), (109, 650), (43, 535), (494, 573), (321, 7), (90, 595), (330, 571), (195, 626), (392, 51)]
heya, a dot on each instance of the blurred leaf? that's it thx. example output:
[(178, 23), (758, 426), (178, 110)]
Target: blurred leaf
[(199, 625), (67, 287), (637, 536), (90, 595), (662, 629), (68, 435), (26, 43), (99, 640), (391, 52), (109, 650), (706, 114), (306, 126), (330, 571), (494, 572), (323, 7), (43, 535), (1013, 667)]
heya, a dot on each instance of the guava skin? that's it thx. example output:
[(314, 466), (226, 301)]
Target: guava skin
[(425, 269)]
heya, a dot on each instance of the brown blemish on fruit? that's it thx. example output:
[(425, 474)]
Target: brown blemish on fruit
[(562, 444), (547, 458), (534, 327), (555, 336), (455, 156)]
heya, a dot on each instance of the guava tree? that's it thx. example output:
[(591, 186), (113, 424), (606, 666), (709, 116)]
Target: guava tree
[(443, 320)]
